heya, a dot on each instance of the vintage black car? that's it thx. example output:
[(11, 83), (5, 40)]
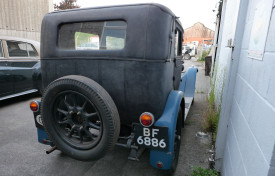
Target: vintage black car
[(113, 75), (19, 67)]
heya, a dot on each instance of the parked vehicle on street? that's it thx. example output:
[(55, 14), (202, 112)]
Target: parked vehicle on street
[(191, 48), (186, 54), (129, 92), (19, 67)]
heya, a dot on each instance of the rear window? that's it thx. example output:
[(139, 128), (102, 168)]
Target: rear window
[(178, 43), (21, 49), (106, 35)]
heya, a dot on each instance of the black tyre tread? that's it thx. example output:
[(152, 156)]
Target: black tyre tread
[(100, 94), (187, 56), (182, 105), (175, 162)]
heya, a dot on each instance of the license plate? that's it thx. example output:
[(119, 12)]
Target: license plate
[(152, 137)]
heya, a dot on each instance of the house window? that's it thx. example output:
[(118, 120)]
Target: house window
[(106, 35)]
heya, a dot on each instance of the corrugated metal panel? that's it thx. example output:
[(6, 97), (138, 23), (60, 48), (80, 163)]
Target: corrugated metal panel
[(22, 18)]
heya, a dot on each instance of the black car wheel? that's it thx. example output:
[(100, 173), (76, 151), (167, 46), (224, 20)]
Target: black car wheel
[(187, 56), (80, 117), (177, 142)]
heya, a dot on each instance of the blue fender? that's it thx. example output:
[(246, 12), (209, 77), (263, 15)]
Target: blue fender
[(168, 119), (43, 137), (188, 82)]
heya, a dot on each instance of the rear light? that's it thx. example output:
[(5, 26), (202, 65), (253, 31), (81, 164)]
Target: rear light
[(159, 164), (34, 105), (146, 119)]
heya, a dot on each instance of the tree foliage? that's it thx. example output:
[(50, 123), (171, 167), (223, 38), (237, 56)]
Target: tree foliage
[(66, 4)]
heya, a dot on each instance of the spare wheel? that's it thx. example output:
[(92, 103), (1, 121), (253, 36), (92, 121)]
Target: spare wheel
[(80, 117)]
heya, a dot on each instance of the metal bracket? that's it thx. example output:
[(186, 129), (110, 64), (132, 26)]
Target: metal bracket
[(229, 44), (135, 153), (129, 142)]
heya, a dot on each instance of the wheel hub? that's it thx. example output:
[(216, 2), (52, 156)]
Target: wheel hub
[(77, 118)]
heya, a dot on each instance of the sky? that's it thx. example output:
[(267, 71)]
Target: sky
[(189, 11)]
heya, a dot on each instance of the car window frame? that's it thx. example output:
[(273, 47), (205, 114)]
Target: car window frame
[(34, 49), (104, 27), (178, 53), (24, 57), (2, 49)]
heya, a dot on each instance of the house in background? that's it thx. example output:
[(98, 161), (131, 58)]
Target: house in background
[(21, 18), (244, 86)]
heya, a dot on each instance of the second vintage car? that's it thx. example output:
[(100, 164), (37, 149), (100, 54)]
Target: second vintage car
[(19, 67)]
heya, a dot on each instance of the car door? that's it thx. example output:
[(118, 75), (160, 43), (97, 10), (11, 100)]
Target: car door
[(5, 77), (22, 58)]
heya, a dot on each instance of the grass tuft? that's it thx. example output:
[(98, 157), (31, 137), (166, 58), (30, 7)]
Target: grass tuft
[(198, 171), (211, 117)]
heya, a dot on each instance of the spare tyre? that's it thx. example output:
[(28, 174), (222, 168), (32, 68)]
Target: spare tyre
[(80, 117)]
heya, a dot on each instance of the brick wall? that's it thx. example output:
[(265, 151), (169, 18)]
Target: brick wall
[(198, 32)]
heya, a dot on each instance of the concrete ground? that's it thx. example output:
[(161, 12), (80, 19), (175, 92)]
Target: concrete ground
[(194, 151), (21, 154)]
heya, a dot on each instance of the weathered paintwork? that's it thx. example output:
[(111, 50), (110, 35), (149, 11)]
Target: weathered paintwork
[(131, 75), (169, 117), (144, 76)]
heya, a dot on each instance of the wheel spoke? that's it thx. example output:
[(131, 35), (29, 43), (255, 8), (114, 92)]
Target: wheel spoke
[(80, 133), (84, 104), (64, 122), (90, 124), (62, 111), (89, 134), (72, 131), (90, 115), (67, 104)]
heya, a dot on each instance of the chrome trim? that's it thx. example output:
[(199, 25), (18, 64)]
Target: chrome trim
[(23, 60), (19, 94)]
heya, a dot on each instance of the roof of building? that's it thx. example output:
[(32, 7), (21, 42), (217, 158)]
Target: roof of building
[(199, 23)]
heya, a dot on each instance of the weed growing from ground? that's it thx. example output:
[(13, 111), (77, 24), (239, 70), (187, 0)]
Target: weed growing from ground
[(198, 171), (211, 117)]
